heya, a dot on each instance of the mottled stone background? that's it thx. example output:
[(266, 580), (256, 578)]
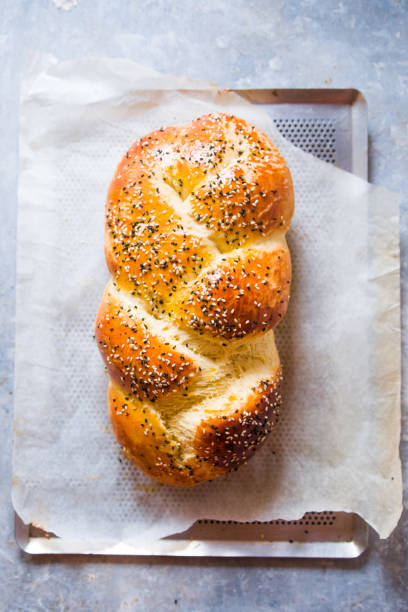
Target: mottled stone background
[(264, 43)]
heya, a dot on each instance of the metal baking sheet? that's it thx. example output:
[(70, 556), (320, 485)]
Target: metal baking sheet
[(332, 125), (317, 534)]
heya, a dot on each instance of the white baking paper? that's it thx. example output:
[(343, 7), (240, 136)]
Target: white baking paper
[(336, 447)]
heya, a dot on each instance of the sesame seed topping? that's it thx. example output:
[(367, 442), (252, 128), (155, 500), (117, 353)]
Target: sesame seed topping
[(195, 225)]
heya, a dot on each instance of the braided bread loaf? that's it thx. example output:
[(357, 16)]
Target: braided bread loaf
[(196, 219)]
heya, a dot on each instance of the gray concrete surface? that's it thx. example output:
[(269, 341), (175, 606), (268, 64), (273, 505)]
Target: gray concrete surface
[(303, 43)]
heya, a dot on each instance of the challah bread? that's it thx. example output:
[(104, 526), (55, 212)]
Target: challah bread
[(196, 219)]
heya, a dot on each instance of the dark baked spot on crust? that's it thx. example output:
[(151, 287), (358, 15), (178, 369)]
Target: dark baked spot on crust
[(228, 441)]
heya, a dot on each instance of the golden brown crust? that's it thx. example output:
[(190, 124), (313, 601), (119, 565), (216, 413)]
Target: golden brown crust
[(221, 444), (243, 295), (136, 359), (148, 250), (141, 434), (251, 196), (196, 218)]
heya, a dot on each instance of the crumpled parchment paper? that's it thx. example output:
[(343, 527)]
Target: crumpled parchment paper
[(336, 447)]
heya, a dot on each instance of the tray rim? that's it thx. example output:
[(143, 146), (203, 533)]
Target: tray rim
[(346, 549), (44, 544), (330, 97)]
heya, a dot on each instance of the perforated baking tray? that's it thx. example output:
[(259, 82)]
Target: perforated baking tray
[(332, 125)]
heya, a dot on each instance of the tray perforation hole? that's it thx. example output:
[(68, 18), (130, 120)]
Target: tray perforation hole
[(312, 519), (315, 136)]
